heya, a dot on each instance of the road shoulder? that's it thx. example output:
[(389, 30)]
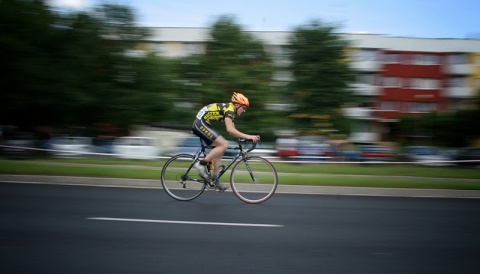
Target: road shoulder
[(286, 189)]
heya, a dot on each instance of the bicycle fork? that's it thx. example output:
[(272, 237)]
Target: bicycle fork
[(249, 169)]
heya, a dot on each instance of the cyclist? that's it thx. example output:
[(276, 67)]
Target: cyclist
[(219, 112)]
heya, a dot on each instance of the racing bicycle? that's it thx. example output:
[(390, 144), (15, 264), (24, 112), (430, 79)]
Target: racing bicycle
[(253, 179)]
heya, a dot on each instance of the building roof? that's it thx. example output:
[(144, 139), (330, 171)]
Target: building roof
[(372, 41)]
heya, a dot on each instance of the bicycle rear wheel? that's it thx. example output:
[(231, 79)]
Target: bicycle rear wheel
[(254, 181), (180, 180)]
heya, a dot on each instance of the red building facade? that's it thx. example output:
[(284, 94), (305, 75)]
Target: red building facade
[(411, 83)]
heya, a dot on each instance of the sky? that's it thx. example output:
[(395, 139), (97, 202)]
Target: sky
[(403, 18)]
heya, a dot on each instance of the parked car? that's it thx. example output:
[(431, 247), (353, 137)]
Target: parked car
[(20, 145), (286, 147), (187, 145), (264, 150), (349, 152), (376, 153), (304, 148), (425, 155), (313, 148), (71, 146), (136, 147), (103, 145), (191, 144), (469, 157)]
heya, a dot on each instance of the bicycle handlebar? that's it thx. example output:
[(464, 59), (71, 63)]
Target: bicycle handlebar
[(247, 141)]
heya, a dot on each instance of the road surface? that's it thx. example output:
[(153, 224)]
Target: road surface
[(87, 229)]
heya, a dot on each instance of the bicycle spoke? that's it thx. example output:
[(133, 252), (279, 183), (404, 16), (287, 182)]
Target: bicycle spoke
[(255, 181), (179, 184)]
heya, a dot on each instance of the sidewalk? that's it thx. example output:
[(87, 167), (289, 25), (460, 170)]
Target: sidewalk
[(290, 189)]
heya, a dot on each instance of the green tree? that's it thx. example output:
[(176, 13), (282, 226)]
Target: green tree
[(25, 52), (234, 60), (150, 98), (452, 129), (74, 68), (321, 73)]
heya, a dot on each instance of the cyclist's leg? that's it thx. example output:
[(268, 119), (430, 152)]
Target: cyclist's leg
[(219, 146), (212, 138)]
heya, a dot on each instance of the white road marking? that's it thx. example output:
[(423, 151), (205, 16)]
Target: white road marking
[(180, 222)]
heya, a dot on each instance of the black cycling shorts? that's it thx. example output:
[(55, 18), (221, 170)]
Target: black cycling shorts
[(204, 131)]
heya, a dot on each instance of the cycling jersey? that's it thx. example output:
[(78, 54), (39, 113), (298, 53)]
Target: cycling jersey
[(216, 112)]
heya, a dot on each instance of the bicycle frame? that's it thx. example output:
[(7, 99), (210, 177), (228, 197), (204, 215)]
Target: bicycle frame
[(241, 154)]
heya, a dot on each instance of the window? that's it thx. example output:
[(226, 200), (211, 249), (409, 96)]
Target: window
[(424, 83), (477, 60), (457, 59), (389, 105), (425, 59), (405, 106), (366, 55), (191, 49), (391, 82), (457, 82), (392, 58), (158, 49), (422, 107), (366, 79)]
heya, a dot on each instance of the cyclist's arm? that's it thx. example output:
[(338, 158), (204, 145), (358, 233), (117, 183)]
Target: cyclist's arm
[(236, 133)]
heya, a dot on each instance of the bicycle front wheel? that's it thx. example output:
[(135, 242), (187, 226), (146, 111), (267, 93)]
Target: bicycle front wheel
[(180, 180), (254, 181)]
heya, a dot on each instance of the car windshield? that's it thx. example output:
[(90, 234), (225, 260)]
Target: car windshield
[(190, 142), (135, 142), (72, 141), (423, 151), (375, 149), (19, 142)]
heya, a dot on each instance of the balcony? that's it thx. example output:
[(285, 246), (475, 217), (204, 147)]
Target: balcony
[(365, 89), (459, 69), (358, 113), (460, 92), (366, 66), (364, 137)]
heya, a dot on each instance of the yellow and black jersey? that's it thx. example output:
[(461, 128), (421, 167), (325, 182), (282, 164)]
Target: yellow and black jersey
[(216, 112)]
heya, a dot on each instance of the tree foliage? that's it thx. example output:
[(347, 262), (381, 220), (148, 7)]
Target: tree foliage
[(25, 48), (451, 129), (321, 74), (234, 61), (72, 68)]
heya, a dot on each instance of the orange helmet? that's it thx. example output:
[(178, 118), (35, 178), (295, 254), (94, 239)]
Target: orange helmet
[(240, 99)]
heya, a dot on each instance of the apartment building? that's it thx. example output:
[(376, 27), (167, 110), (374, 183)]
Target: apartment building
[(397, 75)]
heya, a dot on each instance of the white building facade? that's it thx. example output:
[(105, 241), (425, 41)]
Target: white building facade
[(397, 75)]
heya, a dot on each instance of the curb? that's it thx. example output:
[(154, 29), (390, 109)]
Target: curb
[(285, 189)]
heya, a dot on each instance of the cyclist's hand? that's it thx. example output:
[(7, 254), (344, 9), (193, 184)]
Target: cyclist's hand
[(255, 138)]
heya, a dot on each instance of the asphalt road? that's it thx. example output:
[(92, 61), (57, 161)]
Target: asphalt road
[(87, 229)]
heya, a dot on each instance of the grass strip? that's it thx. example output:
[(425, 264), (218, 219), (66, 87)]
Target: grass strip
[(406, 176)]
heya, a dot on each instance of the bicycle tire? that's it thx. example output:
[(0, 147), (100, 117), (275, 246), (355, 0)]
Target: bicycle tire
[(178, 181), (246, 188)]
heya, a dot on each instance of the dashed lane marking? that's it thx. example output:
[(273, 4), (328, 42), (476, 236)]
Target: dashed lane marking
[(180, 222)]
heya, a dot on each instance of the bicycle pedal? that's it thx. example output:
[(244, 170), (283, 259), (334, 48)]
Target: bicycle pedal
[(209, 187), (210, 184)]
